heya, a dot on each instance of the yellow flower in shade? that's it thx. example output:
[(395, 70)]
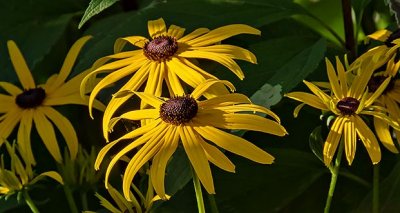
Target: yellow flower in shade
[(347, 102), (167, 56), (381, 53), (197, 125), (20, 177), (389, 100), (33, 104)]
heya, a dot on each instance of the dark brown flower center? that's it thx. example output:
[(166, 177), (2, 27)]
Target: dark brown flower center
[(178, 110), (348, 106), (395, 35), (376, 81), (31, 98), (160, 48)]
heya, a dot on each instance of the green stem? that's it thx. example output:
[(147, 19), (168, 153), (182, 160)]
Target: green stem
[(199, 194), (213, 204), (70, 199), (84, 201), (375, 189), (30, 203), (334, 173), (349, 29)]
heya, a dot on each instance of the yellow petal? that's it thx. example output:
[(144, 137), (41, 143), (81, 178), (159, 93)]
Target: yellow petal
[(70, 60), (22, 70), (215, 156), (24, 136), (174, 85), (350, 140), (150, 99), (248, 108), (9, 122), (377, 93), (176, 31), (196, 33), (234, 144), (309, 99), (159, 163), (318, 92), (138, 41), (225, 60), (369, 140), (383, 133), (230, 51), (333, 80), (380, 35), (46, 132), (141, 114), (145, 153), (10, 88), (66, 129), (6, 103), (197, 157), (187, 74), (51, 174), (157, 28), (221, 33), (203, 87), (333, 139), (342, 76), (225, 100)]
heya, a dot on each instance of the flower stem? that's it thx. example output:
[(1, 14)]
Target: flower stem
[(375, 189), (70, 199), (30, 203), (213, 204), (199, 194), (349, 29), (84, 201), (334, 173)]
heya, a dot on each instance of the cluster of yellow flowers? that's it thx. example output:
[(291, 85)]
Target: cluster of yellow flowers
[(180, 104), (369, 87)]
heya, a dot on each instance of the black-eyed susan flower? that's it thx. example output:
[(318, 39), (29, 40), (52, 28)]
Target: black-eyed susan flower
[(348, 103), (33, 104), (167, 56), (389, 100), (196, 124), (20, 176)]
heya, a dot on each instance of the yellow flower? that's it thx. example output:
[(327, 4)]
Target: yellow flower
[(381, 53), (20, 177), (33, 104), (167, 56), (347, 102), (389, 99), (196, 124)]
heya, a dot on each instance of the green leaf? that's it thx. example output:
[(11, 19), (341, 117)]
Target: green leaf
[(95, 7), (267, 95), (316, 143)]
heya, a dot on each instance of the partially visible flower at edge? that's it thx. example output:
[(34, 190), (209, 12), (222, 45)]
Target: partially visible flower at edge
[(166, 56), (347, 102), (33, 104), (20, 177), (194, 123)]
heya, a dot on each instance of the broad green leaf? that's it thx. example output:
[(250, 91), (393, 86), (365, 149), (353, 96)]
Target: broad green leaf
[(95, 7)]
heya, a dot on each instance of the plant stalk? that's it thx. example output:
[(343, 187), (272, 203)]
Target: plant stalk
[(349, 29), (375, 189), (30, 202), (334, 173), (198, 191)]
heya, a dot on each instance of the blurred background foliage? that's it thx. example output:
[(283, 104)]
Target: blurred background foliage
[(296, 36)]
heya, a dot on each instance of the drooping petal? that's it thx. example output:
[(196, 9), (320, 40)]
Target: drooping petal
[(203, 87), (150, 99), (24, 136), (333, 139), (377, 93), (22, 70), (157, 28), (215, 156), (350, 140), (197, 157), (369, 140), (383, 133), (248, 108), (173, 83), (47, 134), (234, 144), (187, 74), (225, 100), (66, 129), (141, 114), (10, 88), (380, 35), (8, 123), (51, 174), (221, 33), (6, 103), (225, 60), (230, 51), (145, 153), (160, 160)]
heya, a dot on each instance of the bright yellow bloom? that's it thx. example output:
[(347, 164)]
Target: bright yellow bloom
[(168, 56), (19, 176), (197, 125), (347, 102), (33, 104)]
